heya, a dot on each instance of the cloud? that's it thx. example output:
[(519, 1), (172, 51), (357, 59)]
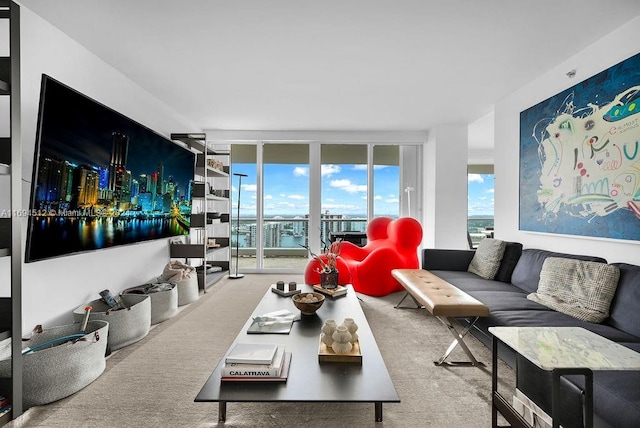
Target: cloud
[(266, 197), (347, 186), (341, 208), (477, 178), (329, 169), (300, 171), (250, 187), (297, 197), (392, 201), (378, 198), (360, 167)]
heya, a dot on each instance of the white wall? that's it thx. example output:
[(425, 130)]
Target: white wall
[(608, 51), (445, 188), (53, 288)]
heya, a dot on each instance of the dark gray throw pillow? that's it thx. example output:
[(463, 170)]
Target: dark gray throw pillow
[(512, 253), (486, 260)]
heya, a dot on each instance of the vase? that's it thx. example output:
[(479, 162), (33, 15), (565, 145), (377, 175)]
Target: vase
[(352, 327), (341, 335), (329, 280), (341, 340), (328, 329), (342, 348)]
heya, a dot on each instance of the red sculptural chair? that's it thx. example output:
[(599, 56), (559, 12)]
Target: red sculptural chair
[(392, 247), (376, 231)]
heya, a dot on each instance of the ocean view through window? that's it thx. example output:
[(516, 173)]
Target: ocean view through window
[(480, 222), (275, 213)]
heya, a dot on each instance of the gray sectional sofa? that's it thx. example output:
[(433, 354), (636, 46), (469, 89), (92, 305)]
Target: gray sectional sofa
[(616, 394)]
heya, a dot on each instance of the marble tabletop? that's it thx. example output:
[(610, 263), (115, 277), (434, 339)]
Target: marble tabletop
[(567, 347)]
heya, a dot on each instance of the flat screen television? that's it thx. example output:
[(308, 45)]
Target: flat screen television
[(100, 179)]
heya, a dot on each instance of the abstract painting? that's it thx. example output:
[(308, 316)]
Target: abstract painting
[(580, 158)]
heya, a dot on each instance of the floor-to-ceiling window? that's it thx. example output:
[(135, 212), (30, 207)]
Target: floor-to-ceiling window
[(284, 207), (285, 202), (480, 203), (344, 189), (244, 158), (386, 181)]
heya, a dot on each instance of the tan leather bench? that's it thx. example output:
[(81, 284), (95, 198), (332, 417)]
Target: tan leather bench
[(445, 302)]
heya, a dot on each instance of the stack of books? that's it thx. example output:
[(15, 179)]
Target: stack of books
[(256, 362)]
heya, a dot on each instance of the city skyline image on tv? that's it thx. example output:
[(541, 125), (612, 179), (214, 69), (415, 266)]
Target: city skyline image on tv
[(101, 179)]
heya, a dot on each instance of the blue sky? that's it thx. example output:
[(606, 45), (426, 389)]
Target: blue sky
[(344, 190), (481, 187)]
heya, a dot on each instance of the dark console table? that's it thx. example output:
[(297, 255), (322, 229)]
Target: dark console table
[(309, 380)]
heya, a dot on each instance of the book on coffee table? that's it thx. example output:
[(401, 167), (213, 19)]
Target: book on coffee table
[(256, 370), (340, 290), (252, 353), (284, 374)]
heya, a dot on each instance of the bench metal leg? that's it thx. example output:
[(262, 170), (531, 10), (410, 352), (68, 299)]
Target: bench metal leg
[(458, 333), (407, 294)]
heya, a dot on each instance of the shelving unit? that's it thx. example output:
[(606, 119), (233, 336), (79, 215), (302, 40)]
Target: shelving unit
[(208, 243), (10, 225)]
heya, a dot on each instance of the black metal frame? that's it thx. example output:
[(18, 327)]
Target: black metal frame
[(500, 404)]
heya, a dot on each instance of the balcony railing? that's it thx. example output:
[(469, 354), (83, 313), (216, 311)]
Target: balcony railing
[(283, 237)]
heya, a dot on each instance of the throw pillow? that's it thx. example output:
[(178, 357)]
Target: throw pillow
[(512, 253), (486, 260), (578, 288)]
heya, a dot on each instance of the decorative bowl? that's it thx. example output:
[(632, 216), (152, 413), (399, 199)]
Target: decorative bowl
[(308, 303)]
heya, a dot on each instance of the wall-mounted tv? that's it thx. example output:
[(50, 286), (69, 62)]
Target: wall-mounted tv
[(100, 179)]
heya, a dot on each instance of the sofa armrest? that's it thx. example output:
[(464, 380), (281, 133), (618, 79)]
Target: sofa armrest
[(456, 260)]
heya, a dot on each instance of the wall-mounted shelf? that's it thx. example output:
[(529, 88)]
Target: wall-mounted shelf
[(198, 220), (10, 225), (200, 190), (198, 250), (210, 207)]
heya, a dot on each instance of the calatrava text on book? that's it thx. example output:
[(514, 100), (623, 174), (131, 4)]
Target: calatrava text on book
[(249, 373)]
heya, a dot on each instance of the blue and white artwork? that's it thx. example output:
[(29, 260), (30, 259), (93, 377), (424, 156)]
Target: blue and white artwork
[(580, 158)]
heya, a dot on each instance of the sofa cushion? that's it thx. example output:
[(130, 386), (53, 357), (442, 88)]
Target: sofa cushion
[(486, 260), (468, 282), (526, 274), (457, 260), (514, 299), (624, 313), (576, 287), (512, 253)]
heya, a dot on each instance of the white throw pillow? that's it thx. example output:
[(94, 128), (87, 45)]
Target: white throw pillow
[(486, 260), (578, 288)]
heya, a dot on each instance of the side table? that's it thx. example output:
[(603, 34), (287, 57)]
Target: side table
[(563, 351)]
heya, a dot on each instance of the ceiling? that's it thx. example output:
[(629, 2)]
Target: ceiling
[(334, 64)]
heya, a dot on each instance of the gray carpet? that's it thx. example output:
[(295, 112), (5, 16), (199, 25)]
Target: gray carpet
[(152, 383)]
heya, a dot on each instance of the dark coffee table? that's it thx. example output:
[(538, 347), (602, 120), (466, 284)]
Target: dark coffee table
[(309, 380)]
